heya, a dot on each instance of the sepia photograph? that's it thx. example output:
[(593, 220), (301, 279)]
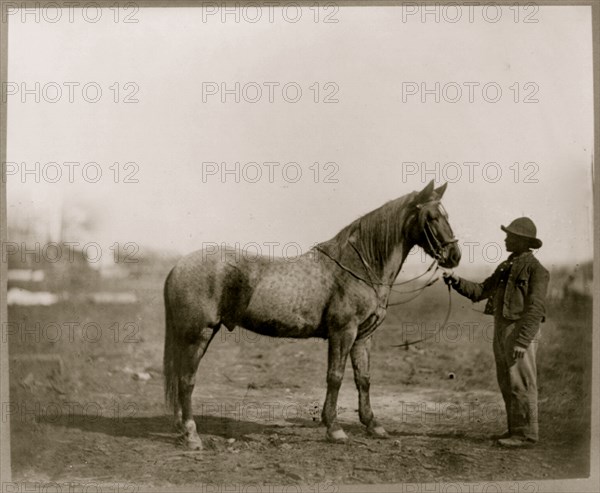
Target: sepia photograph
[(298, 246)]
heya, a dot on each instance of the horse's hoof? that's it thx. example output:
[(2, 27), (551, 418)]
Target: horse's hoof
[(190, 442), (377, 432), (194, 444), (337, 436)]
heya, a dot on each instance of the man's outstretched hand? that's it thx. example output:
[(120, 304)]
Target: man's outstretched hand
[(449, 278)]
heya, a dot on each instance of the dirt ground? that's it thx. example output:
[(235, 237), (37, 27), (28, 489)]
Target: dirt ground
[(96, 413)]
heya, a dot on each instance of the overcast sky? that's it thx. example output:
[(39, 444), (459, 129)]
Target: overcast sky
[(374, 62)]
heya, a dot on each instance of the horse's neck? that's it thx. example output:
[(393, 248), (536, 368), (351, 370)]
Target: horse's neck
[(396, 255), (391, 268), (380, 256)]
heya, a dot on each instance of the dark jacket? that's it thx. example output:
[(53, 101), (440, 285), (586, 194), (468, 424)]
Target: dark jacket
[(524, 298)]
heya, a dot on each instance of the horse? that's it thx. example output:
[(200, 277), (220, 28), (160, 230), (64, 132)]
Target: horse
[(338, 291)]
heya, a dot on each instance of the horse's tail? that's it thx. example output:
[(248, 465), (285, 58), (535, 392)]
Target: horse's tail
[(170, 359)]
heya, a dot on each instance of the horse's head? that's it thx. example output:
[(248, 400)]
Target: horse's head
[(434, 233)]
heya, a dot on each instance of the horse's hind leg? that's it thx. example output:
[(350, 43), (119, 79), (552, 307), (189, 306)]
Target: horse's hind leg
[(360, 354), (195, 344)]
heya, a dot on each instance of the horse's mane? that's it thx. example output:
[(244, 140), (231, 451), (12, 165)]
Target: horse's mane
[(375, 234)]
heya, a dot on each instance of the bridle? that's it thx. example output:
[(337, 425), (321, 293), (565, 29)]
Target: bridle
[(436, 246)]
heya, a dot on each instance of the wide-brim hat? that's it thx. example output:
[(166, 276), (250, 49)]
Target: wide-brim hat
[(525, 228)]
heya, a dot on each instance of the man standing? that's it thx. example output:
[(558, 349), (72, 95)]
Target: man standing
[(516, 294)]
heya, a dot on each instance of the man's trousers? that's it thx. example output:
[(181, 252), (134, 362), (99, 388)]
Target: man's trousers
[(517, 379)]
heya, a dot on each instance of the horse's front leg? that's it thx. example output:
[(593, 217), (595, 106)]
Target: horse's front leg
[(339, 347), (361, 356)]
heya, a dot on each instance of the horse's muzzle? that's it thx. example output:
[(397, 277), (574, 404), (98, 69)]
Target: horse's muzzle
[(450, 257)]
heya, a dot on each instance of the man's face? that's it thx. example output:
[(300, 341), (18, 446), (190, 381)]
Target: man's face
[(515, 243)]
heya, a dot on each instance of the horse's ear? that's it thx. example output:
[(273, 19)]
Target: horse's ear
[(440, 190), (425, 194)]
